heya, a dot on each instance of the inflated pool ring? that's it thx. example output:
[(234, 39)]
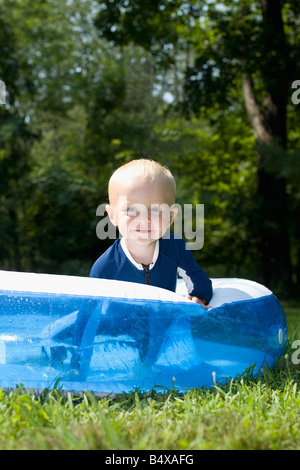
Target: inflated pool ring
[(113, 336)]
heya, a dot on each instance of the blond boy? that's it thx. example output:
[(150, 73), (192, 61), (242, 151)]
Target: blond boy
[(142, 205)]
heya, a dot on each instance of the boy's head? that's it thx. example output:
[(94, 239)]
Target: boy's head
[(141, 193), (142, 171)]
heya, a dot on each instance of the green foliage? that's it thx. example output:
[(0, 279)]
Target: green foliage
[(150, 24), (93, 84), (234, 54)]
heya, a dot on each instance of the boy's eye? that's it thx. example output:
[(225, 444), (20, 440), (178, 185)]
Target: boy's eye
[(131, 210)]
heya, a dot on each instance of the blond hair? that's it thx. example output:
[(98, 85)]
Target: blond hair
[(145, 169)]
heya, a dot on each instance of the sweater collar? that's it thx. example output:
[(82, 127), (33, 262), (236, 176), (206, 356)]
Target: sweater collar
[(138, 265)]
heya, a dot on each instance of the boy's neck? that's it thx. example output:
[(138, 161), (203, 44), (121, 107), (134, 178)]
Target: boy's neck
[(142, 254)]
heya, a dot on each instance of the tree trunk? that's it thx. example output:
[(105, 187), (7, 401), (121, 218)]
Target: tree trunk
[(268, 120)]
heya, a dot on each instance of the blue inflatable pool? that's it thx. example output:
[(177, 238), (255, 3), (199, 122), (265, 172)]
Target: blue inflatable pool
[(109, 336)]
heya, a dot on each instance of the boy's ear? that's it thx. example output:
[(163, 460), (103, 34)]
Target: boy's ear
[(111, 214), (173, 214)]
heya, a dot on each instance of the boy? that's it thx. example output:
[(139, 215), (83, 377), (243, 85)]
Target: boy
[(141, 195)]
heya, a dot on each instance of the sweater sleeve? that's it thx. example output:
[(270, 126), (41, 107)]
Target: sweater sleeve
[(196, 280)]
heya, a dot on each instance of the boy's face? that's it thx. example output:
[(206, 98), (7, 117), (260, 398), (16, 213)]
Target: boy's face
[(142, 210)]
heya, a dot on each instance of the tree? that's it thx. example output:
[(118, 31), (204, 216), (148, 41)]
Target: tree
[(246, 44), (252, 39), (15, 141), (78, 107), (49, 50)]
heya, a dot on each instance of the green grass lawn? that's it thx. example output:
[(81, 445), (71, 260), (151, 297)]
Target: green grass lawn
[(249, 413)]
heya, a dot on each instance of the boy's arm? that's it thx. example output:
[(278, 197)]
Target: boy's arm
[(198, 283)]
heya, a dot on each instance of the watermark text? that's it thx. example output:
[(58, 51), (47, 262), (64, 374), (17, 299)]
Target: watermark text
[(146, 222), (2, 92), (296, 94), (296, 354)]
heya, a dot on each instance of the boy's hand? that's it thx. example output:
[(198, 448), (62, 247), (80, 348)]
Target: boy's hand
[(200, 301)]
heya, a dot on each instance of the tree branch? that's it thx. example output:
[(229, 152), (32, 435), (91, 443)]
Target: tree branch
[(255, 115)]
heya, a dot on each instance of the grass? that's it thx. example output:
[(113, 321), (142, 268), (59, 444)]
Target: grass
[(258, 414)]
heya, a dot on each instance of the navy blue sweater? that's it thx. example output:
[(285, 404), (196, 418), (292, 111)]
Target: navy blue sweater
[(174, 257)]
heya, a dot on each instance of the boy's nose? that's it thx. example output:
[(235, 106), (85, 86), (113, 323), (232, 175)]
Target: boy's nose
[(144, 213), (145, 217)]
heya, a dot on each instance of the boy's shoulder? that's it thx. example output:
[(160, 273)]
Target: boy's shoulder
[(105, 261), (172, 243), (115, 247), (111, 251), (172, 239)]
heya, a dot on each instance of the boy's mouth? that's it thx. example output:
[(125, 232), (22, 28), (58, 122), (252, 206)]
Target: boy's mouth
[(143, 230)]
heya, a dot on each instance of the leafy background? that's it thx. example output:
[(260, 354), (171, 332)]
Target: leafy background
[(203, 87)]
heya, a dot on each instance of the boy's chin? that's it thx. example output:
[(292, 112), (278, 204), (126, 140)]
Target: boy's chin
[(143, 239)]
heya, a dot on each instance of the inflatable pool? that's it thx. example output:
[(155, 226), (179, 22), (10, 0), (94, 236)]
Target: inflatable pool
[(109, 336)]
